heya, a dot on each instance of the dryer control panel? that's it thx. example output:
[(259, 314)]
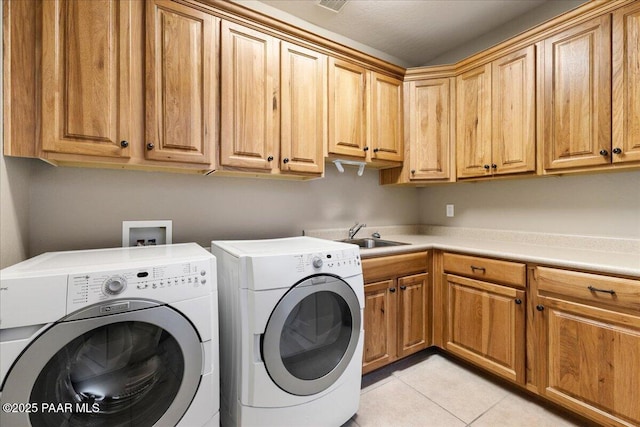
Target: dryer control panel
[(164, 282)]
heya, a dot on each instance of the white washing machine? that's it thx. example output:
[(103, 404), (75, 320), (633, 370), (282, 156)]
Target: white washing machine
[(110, 337), (290, 331)]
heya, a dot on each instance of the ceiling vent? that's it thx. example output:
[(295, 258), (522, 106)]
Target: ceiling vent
[(332, 5)]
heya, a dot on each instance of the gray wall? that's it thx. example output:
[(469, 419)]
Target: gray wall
[(14, 210), (73, 208), (605, 204)]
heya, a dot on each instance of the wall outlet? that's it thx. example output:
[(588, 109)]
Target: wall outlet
[(450, 212)]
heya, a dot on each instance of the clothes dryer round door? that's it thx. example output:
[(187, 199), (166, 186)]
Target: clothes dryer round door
[(312, 335), (136, 368)]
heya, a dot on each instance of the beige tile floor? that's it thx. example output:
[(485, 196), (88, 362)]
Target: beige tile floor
[(430, 389)]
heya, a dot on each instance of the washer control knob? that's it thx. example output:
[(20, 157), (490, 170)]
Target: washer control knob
[(114, 285), (317, 262)]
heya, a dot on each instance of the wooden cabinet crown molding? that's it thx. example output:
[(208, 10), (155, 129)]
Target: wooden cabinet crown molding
[(582, 13), (235, 12)]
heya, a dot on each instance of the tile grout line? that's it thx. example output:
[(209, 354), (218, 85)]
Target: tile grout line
[(488, 409), (435, 403)]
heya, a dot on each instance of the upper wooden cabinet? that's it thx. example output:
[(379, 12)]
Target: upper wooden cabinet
[(626, 84), (365, 114), (513, 112), (496, 117), (250, 98), (347, 109), (385, 118), (273, 110), (429, 131), (430, 119), (576, 108), (473, 134), (303, 112), (181, 98), (87, 78)]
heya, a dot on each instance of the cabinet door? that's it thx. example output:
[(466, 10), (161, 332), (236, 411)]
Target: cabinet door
[(626, 84), (379, 325), (303, 112), (86, 77), (385, 118), (347, 108), (591, 361), (513, 112), (181, 83), (576, 109), (413, 314), (486, 325), (473, 135), (429, 128), (250, 90)]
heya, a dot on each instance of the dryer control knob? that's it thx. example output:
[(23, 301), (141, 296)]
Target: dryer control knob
[(114, 285), (317, 262)]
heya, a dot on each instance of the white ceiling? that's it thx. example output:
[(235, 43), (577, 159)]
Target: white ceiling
[(415, 31)]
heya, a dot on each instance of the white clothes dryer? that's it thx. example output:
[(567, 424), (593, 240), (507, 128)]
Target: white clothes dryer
[(291, 331), (110, 337)]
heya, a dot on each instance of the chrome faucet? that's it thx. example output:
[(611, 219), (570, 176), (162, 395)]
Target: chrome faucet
[(354, 230)]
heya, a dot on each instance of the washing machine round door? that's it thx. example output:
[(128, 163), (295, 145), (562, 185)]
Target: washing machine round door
[(312, 335), (138, 368)]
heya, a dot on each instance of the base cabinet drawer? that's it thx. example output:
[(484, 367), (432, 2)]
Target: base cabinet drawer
[(590, 288), (492, 270)]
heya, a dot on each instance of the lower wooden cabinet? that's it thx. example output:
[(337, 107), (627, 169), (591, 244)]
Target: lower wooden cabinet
[(570, 337), (485, 324), (413, 308), (397, 319), (380, 325), (590, 344), (484, 313)]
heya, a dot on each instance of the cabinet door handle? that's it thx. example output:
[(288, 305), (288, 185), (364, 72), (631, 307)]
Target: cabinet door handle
[(518, 301), (124, 144), (375, 150), (403, 288), (486, 167), (285, 160), (494, 166), (474, 268), (150, 146), (270, 158), (539, 307), (617, 150), (365, 149), (604, 152), (392, 290), (606, 291)]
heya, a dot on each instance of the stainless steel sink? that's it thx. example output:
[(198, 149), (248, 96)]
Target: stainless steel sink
[(368, 243)]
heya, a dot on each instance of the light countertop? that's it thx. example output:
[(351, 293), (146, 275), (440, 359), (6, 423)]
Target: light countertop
[(613, 256)]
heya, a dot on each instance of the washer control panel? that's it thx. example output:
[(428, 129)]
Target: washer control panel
[(342, 262), (165, 282)]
